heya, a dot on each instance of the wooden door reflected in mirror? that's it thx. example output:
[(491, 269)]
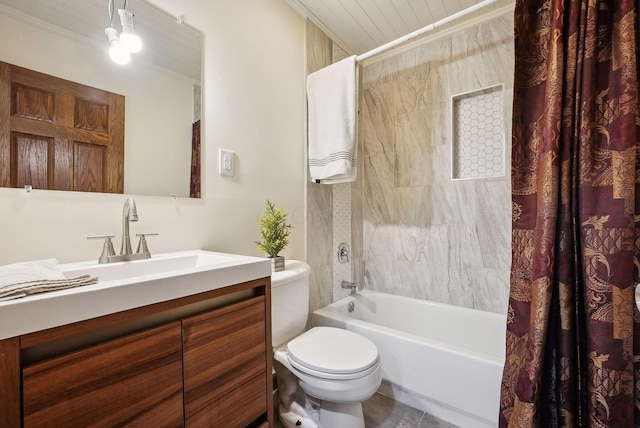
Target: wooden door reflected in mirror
[(58, 134)]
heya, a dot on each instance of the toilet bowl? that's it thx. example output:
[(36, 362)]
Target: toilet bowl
[(336, 369), (324, 374)]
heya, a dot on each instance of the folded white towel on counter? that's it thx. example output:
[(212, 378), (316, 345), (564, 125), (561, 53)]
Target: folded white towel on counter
[(23, 279), (30, 271), (332, 97)]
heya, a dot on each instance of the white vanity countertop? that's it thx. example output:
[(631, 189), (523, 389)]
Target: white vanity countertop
[(128, 285)]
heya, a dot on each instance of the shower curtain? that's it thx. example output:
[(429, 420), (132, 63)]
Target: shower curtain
[(194, 186), (573, 343)]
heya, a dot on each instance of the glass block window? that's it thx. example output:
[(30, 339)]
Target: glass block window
[(478, 134)]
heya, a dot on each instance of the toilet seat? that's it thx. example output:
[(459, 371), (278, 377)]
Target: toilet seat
[(333, 353)]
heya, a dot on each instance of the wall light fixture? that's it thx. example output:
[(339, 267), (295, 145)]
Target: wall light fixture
[(123, 44)]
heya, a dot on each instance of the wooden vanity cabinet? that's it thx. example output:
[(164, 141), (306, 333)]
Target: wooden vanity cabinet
[(202, 361), (224, 366), (136, 379)]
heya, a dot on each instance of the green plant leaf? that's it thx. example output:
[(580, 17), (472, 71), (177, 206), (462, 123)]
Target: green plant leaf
[(274, 230)]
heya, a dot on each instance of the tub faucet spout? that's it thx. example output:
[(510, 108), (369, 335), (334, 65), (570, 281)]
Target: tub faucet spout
[(129, 213), (350, 286)]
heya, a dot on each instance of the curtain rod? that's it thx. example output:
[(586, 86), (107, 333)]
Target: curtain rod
[(417, 33)]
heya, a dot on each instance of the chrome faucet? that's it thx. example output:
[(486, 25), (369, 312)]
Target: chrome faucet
[(350, 286), (129, 213)]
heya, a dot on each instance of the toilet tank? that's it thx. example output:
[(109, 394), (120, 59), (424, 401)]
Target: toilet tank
[(289, 301)]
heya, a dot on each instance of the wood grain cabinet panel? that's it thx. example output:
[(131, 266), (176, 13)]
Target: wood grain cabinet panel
[(168, 364), (225, 368), (135, 380)]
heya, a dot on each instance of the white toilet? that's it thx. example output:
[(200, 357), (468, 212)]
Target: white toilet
[(324, 374)]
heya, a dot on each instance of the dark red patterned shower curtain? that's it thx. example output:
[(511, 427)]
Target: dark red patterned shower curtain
[(194, 187), (573, 343)]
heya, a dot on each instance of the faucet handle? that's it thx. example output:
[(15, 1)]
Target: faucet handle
[(142, 243), (107, 248)]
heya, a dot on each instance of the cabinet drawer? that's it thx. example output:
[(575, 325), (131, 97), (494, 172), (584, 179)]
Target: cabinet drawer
[(225, 382), (134, 380)]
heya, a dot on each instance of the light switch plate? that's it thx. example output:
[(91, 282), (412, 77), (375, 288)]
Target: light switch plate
[(226, 163)]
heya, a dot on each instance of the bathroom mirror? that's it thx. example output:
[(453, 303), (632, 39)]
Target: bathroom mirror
[(161, 84)]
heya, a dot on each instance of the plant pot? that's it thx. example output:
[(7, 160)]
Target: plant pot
[(277, 263)]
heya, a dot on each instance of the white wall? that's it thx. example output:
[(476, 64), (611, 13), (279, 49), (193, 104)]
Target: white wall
[(254, 104), (158, 104)]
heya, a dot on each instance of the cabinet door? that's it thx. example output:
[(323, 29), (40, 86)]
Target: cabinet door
[(135, 380), (225, 379)]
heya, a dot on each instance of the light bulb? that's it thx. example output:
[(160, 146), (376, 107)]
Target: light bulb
[(128, 37), (118, 53), (131, 41)]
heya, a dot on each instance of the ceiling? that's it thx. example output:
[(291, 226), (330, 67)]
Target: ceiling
[(165, 42), (359, 26)]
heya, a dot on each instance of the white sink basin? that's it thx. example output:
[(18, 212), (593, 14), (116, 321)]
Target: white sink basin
[(161, 265), (126, 285)]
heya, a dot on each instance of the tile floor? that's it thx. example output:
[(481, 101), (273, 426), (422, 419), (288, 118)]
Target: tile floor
[(383, 412)]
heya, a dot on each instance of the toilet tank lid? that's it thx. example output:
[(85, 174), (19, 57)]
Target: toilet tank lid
[(293, 270)]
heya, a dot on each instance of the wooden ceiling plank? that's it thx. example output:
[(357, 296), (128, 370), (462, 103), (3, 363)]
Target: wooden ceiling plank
[(374, 13), (422, 12), (437, 9), (451, 6), (408, 14), (342, 24), (393, 17), (464, 4), (360, 15)]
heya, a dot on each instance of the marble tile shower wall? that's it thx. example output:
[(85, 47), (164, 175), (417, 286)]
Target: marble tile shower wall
[(425, 235), (334, 212), (319, 240)]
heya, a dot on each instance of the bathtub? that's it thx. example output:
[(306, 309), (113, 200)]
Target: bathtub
[(442, 359)]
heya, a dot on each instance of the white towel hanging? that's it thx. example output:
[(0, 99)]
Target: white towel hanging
[(332, 94)]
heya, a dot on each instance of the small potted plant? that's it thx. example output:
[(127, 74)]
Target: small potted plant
[(274, 231)]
